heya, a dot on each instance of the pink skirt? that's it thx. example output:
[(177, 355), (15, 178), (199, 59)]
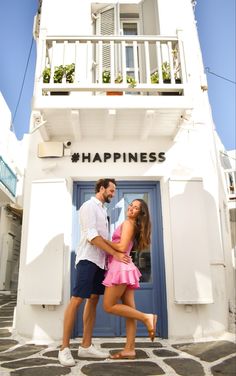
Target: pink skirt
[(119, 273)]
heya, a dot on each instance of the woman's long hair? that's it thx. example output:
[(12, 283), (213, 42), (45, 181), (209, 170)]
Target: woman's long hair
[(142, 238)]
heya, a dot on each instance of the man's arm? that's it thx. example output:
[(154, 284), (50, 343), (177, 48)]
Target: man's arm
[(99, 242), (127, 234)]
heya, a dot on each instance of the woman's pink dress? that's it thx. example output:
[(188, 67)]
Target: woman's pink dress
[(120, 273)]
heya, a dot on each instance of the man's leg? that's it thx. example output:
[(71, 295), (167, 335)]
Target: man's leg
[(87, 350), (69, 320), (89, 317), (64, 354)]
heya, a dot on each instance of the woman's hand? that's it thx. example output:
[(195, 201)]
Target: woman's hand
[(122, 257)]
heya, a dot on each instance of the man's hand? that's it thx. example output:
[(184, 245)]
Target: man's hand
[(119, 256), (122, 257)]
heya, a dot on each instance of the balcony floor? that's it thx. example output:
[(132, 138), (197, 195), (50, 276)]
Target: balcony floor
[(117, 117)]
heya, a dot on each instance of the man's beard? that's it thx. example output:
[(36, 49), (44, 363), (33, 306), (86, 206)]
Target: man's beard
[(106, 199)]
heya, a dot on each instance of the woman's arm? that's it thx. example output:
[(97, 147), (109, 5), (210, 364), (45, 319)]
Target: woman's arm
[(127, 234)]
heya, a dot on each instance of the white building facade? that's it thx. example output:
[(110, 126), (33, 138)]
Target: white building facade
[(155, 136), (13, 155)]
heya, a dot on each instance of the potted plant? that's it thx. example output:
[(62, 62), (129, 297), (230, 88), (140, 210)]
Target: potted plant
[(166, 72), (155, 77), (131, 81), (106, 78), (60, 71), (166, 76)]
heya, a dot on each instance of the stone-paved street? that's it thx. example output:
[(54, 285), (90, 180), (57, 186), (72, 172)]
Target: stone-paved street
[(163, 357)]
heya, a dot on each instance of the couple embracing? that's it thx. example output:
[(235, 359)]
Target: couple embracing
[(117, 281)]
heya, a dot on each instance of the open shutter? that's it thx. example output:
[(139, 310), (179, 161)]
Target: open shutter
[(190, 242), (106, 24)]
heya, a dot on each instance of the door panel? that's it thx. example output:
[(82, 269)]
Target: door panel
[(151, 296)]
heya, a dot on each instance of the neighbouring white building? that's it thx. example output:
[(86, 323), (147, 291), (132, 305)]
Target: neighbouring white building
[(157, 138), (13, 155)]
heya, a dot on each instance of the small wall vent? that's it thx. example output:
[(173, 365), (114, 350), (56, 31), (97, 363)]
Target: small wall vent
[(50, 149)]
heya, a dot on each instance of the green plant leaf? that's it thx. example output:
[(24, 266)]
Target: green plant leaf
[(60, 71)]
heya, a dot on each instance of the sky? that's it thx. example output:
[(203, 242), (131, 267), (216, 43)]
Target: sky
[(216, 29)]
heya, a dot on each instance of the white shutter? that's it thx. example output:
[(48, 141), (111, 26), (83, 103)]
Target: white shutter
[(43, 273), (106, 25), (190, 243)]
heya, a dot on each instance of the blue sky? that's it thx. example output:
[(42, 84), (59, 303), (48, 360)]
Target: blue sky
[(216, 28)]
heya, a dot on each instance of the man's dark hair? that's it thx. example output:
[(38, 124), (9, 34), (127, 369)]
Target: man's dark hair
[(103, 183)]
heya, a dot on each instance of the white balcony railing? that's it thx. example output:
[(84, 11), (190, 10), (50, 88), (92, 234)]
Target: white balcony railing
[(7, 177), (230, 176), (153, 65)]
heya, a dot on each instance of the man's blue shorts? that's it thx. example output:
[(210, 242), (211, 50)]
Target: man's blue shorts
[(88, 279)]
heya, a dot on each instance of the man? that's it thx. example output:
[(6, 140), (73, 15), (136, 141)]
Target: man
[(90, 269)]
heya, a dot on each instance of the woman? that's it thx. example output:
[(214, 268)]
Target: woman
[(122, 279)]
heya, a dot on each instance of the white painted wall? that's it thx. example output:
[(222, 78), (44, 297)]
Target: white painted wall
[(188, 157), (192, 154)]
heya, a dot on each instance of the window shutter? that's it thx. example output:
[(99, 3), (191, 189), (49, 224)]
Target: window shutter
[(190, 242), (106, 26)]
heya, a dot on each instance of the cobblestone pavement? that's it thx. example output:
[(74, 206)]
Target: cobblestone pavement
[(163, 357)]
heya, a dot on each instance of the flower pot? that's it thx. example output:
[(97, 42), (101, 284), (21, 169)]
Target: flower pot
[(168, 81), (60, 92), (114, 92)]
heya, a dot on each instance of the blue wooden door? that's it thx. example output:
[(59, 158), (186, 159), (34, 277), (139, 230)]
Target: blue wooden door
[(151, 297)]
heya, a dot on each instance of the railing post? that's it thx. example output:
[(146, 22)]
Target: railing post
[(136, 69), (112, 62), (159, 62), (123, 60), (54, 45), (147, 61), (100, 65), (77, 61), (41, 60), (181, 56), (65, 44), (170, 53), (89, 61)]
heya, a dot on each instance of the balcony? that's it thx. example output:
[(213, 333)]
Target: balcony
[(8, 181), (76, 74), (230, 176)]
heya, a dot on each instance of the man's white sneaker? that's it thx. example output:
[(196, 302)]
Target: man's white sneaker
[(92, 352), (65, 357)]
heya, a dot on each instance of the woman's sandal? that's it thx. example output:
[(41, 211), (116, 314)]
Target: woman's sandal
[(152, 332), (119, 355)]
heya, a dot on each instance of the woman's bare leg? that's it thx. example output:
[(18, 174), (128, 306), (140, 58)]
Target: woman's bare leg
[(112, 295), (128, 299)]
